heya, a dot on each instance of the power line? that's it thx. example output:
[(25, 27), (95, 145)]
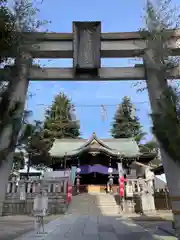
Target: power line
[(95, 105)]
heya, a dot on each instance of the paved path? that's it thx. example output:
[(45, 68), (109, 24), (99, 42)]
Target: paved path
[(12, 227), (72, 227), (93, 217)]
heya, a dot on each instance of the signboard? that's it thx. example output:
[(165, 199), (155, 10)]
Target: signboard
[(40, 205), (86, 47)]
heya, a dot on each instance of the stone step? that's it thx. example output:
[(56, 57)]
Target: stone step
[(109, 210), (107, 205), (105, 200), (94, 204)]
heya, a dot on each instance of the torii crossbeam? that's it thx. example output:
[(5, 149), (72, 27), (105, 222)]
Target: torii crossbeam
[(95, 45)]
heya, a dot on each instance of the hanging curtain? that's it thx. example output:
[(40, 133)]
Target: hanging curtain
[(73, 174)]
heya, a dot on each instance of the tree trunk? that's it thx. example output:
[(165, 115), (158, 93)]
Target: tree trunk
[(19, 90), (157, 84)]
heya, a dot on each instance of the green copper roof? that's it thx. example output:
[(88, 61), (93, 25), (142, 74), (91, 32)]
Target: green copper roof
[(71, 147)]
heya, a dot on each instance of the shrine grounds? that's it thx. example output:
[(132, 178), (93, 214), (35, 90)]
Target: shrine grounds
[(13, 227)]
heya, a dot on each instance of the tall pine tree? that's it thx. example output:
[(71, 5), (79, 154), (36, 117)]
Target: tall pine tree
[(60, 122), (126, 124)]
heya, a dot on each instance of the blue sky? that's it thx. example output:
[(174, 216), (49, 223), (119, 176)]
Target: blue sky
[(116, 16)]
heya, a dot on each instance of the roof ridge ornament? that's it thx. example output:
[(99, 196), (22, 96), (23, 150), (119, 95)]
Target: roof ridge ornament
[(94, 134)]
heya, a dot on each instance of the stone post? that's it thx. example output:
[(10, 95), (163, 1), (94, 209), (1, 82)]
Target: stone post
[(149, 177), (146, 193), (157, 84), (18, 88)]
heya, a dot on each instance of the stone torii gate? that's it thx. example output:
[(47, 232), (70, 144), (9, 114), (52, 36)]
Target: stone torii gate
[(86, 46)]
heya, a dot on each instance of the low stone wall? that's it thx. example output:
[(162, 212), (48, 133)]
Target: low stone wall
[(56, 191), (133, 204), (13, 205), (162, 200)]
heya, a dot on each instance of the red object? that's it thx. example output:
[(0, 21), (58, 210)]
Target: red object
[(121, 192), (69, 193), (121, 186)]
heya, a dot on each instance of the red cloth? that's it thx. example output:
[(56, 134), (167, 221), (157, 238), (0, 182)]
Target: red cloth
[(121, 186), (69, 193)]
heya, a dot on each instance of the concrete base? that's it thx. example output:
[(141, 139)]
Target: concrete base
[(147, 203)]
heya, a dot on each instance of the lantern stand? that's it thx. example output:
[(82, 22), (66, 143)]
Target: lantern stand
[(78, 170), (110, 170)]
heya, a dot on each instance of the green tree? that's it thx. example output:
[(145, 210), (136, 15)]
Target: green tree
[(148, 147), (32, 147), (60, 122), (151, 147), (7, 31), (37, 147), (125, 123)]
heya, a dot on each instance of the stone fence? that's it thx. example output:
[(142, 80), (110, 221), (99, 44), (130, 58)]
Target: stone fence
[(20, 196), (132, 199), (162, 200), (33, 186)]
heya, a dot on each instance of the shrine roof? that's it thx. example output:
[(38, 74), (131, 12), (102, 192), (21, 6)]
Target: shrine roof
[(147, 157), (126, 147), (158, 170)]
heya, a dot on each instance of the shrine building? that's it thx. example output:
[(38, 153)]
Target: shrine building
[(97, 158)]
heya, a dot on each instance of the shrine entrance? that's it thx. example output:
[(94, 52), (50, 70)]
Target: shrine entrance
[(86, 46), (94, 174), (96, 160)]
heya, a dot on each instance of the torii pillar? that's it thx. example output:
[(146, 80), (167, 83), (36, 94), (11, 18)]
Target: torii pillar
[(18, 90), (157, 85)]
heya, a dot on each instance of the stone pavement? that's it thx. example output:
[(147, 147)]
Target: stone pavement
[(95, 217), (12, 227), (100, 227)]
